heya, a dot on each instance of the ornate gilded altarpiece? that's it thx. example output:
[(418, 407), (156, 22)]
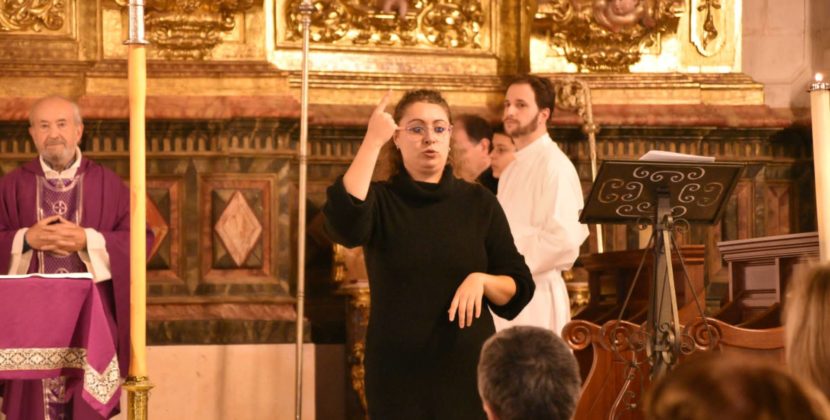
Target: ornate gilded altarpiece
[(223, 122), (639, 36)]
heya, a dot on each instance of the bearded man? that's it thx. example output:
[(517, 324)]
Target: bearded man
[(542, 198)]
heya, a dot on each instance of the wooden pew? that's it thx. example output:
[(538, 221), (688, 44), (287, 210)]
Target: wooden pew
[(610, 275), (759, 271), (618, 378)]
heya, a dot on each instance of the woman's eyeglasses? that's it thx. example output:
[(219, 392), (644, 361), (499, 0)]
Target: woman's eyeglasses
[(421, 130)]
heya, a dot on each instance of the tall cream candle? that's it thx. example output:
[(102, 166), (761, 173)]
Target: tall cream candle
[(138, 383), (820, 105), (138, 212)]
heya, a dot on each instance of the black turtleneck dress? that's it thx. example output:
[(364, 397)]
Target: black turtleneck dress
[(420, 242)]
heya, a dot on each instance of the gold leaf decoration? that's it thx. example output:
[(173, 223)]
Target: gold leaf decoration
[(707, 17), (189, 29), (605, 35), (31, 15), (433, 23)]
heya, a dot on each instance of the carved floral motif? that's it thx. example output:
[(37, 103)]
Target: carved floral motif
[(709, 29), (34, 15), (707, 16), (189, 29), (605, 35), (437, 23)]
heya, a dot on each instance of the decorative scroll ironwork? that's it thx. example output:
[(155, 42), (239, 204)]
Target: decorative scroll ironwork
[(629, 344), (673, 176), (627, 191), (618, 190), (605, 35), (189, 29), (437, 23), (34, 15)]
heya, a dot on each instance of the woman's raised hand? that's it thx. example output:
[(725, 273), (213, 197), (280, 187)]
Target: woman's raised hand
[(381, 124)]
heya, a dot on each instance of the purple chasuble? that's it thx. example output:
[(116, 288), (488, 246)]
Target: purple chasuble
[(105, 207), (60, 197)]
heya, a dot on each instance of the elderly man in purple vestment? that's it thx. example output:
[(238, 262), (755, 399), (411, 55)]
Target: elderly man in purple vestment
[(62, 213)]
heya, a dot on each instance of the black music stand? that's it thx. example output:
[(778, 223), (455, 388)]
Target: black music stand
[(663, 195)]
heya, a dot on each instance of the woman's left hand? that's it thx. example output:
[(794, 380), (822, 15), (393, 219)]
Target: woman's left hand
[(468, 299)]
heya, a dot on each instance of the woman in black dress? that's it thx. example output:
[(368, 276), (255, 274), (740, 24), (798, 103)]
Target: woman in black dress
[(438, 252)]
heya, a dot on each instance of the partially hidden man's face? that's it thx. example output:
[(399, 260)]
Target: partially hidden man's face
[(503, 153), (469, 158), (55, 131), (521, 115)]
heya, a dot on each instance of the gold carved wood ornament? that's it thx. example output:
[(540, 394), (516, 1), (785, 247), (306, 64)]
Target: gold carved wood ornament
[(707, 22), (605, 35), (408, 23), (189, 29), (32, 15)]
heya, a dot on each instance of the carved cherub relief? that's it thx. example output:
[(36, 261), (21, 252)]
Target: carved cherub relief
[(620, 14)]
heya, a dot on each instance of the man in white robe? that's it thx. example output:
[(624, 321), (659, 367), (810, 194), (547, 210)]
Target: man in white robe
[(542, 198)]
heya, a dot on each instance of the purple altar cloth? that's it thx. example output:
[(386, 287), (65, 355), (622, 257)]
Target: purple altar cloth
[(58, 327)]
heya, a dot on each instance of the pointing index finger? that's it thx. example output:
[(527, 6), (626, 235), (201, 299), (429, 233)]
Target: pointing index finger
[(384, 102)]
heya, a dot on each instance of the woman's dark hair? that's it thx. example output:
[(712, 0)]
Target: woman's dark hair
[(421, 95)]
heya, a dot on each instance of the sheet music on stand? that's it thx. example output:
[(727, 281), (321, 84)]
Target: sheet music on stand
[(668, 191), (664, 156)]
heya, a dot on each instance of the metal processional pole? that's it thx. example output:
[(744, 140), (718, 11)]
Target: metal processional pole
[(575, 95), (306, 8), (591, 129)]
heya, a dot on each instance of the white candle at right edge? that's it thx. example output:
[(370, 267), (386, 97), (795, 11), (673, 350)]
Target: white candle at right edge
[(820, 112)]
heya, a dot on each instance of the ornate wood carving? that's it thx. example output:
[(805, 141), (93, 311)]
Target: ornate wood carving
[(349, 271), (32, 15), (359, 313), (603, 35), (454, 24), (723, 337), (616, 357), (189, 29), (618, 378), (707, 21)]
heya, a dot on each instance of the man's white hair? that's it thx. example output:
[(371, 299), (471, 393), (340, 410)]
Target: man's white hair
[(76, 110)]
